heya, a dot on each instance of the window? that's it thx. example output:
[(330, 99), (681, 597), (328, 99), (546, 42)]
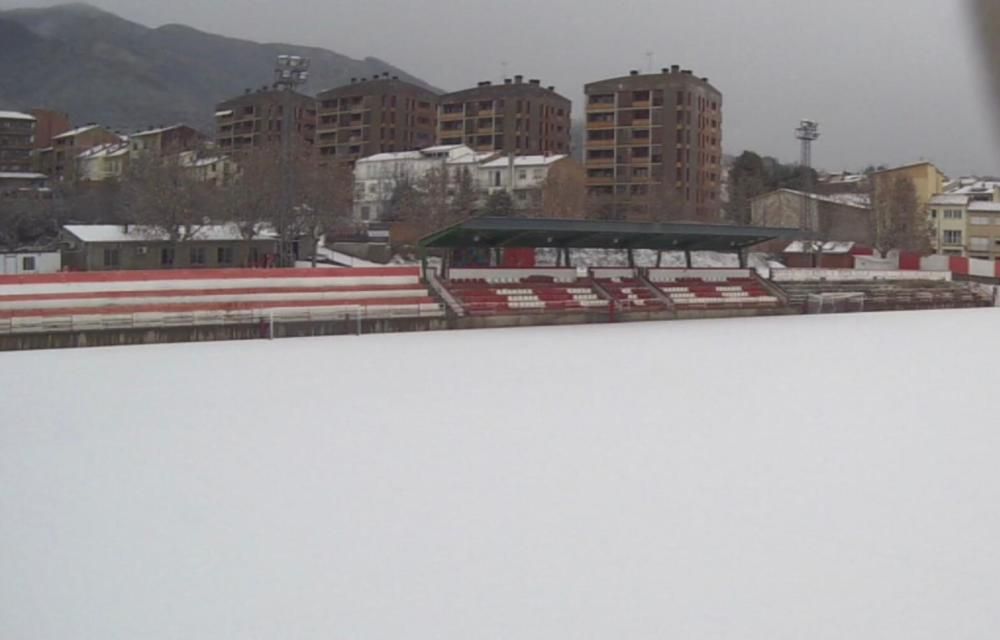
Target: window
[(166, 256), (496, 178), (111, 258), (28, 263), (953, 214), (538, 174), (522, 174), (979, 220), (366, 213), (934, 214), (197, 255), (224, 255), (979, 244), (953, 237)]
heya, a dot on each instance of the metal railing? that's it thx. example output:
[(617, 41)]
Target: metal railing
[(261, 317)]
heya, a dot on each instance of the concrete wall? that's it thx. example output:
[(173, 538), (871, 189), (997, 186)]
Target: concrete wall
[(509, 275), (853, 275), (670, 275)]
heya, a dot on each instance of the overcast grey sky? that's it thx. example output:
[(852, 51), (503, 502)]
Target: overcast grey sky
[(890, 81)]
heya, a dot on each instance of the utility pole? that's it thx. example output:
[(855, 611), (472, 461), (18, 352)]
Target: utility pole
[(290, 72), (807, 133)]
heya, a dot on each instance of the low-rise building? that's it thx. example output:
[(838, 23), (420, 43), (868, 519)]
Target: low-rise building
[(376, 177), (59, 160), (104, 162), (217, 169), (846, 217), (927, 179), (164, 141), (107, 247), (523, 177), (976, 190), (26, 261), (19, 183), (984, 230), (947, 216)]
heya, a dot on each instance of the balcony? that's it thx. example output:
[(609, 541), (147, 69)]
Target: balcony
[(596, 181), (599, 162), (600, 144), (601, 124), (600, 106)]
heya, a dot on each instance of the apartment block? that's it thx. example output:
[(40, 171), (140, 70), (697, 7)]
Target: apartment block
[(653, 146), (17, 138), (516, 117), (376, 115), (48, 124), (256, 118)]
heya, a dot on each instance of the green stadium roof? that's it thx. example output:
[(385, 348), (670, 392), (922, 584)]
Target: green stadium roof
[(600, 234)]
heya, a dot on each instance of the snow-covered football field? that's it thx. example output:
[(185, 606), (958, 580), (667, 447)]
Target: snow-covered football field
[(796, 478)]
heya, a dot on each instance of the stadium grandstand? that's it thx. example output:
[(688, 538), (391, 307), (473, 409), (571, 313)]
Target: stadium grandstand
[(487, 278), (254, 299), (488, 287)]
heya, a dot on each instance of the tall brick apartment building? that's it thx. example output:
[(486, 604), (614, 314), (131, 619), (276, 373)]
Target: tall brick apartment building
[(255, 120), (515, 117), (17, 138), (383, 114), (654, 146)]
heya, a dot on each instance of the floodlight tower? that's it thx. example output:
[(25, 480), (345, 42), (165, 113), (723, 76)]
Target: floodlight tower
[(807, 133), (290, 72)]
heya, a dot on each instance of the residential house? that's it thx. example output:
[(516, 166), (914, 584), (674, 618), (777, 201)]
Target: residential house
[(523, 177), (59, 160), (163, 141), (376, 177), (948, 218), (107, 161), (22, 183)]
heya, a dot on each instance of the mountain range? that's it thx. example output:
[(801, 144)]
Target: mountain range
[(99, 67)]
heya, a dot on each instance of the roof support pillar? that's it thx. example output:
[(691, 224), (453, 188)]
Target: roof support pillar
[(631, 258), (742, 255), (687, 258)]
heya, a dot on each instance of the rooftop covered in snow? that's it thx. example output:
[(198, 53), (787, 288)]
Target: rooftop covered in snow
[(137, 233), (16, 115), (595, 234)]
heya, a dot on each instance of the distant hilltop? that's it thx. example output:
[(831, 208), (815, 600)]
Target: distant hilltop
[(99, 67)]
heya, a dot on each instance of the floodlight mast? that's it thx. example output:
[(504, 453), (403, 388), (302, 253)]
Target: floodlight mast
[(807, 133), (290, 72)]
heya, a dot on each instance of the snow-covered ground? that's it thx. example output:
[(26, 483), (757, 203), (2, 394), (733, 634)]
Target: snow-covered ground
[(808, 477)]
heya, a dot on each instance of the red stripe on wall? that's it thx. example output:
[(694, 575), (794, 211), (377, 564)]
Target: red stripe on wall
[(194, 293), (205, 274), (221, 306), (958, 265)]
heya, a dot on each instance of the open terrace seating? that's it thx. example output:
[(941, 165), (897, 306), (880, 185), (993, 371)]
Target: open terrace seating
[(626, 289), (505, 291), (886, 295), (124, 299), (713, 288)]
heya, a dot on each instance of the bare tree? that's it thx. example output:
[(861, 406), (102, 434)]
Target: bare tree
[(898, 220), (564, 193), (161, 195)]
